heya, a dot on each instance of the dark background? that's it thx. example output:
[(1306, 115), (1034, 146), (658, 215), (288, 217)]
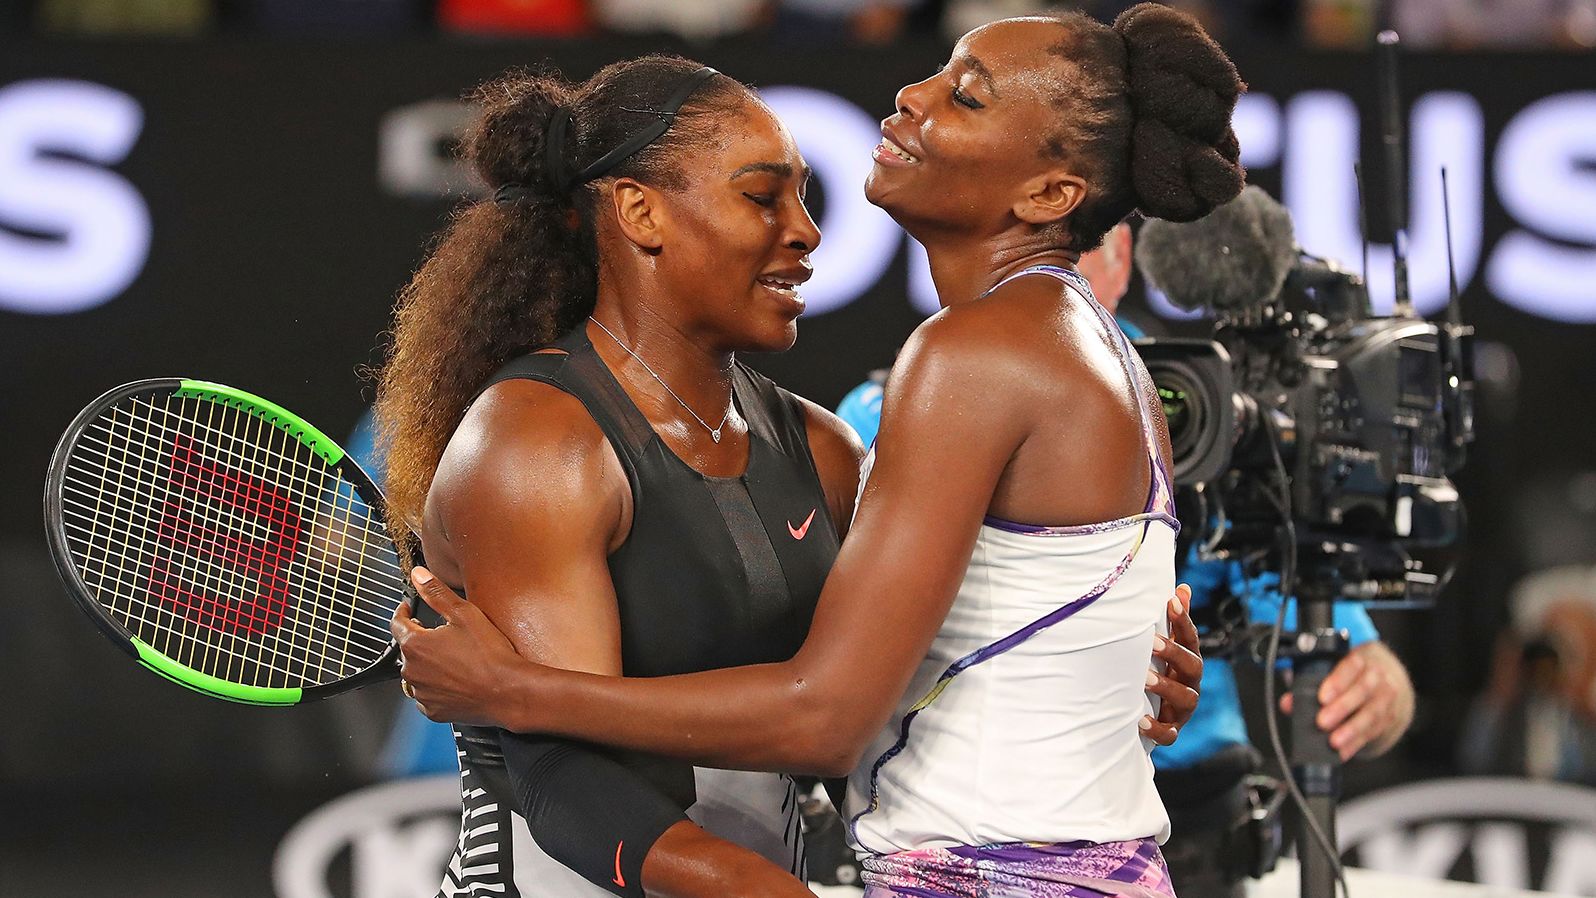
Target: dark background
[(276, 254)]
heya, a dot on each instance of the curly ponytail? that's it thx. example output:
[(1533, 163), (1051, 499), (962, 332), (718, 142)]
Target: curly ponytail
[(1146, 107), (512, 274)]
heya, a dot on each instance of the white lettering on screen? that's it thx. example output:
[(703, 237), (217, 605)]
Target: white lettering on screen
[(1544, 168), (73, 234), (1448, 129), (1546, 177)]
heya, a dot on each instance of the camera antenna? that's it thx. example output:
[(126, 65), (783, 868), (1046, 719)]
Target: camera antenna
[(1363, 225), (1454, 314), (1459, 403), (1386, 47)]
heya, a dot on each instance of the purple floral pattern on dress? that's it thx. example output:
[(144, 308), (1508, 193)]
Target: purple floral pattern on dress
[(1130, 869)]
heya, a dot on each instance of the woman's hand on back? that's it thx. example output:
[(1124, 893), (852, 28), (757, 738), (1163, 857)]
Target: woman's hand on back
[(459, 670), (1178, 684)]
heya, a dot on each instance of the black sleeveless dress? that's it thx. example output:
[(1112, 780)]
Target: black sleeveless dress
[(716, 572)]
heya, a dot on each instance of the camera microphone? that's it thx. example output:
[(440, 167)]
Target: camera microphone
[(1234, 259)]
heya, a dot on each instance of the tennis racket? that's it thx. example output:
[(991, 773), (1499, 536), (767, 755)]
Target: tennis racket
[(225, 543)]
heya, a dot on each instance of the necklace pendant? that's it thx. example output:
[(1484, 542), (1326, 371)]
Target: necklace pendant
[(715, 434)]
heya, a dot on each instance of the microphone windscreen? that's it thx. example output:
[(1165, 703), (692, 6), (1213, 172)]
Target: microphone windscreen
[(1236, 257)]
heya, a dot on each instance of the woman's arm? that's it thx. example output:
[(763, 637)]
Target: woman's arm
[(688, 862), (527, 502), (950, 424), (1177, 670), (525, 505), (948, 428)]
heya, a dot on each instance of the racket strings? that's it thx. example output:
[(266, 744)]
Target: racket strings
[(372, 619), (227, 545), (205, 579), (306, 480), (387, 564), (208, 515), (269, 439), (350, 506)]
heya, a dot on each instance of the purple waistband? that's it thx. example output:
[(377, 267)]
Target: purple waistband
[(1133, 869)]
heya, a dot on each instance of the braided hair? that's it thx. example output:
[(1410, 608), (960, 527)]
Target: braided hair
[(1145, 107)]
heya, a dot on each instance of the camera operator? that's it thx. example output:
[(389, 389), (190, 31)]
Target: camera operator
[(1368, 705), (1237, 263)]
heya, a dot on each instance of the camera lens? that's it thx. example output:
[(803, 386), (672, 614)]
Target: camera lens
[(1185, 409), (1177, 410), (1193, 380)]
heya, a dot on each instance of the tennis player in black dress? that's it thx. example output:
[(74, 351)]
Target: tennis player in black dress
[(626, 498)]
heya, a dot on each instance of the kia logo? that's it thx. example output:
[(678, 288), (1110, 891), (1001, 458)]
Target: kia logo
[(395, 837), (1508, 833)]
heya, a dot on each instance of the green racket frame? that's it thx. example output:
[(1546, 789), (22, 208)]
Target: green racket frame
[(384, 668)]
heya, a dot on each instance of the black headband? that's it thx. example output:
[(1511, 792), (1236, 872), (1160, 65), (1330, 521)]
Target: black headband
[(558, 169), (664, 118), (555, 167)]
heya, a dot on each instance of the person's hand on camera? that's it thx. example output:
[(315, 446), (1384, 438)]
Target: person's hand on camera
[(1366, 703)]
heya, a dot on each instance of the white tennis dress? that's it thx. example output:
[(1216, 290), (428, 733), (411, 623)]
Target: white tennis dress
[(1021, 724)]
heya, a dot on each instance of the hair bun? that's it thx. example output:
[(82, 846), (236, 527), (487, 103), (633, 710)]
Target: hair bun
[(506, 144), (1183, 90), (1180, 179)]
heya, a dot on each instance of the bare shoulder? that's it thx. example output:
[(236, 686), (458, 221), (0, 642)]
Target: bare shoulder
[(999, 338), (829, 435), (524, 445), (837, 452)]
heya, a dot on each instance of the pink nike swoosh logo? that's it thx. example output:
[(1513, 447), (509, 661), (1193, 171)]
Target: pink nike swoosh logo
[(803, 530)]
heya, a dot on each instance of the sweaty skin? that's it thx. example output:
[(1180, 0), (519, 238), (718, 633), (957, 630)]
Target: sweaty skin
[(951, 408), (1020, 395), (529, 467)]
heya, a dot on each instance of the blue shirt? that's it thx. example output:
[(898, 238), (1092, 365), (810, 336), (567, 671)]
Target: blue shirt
[(1218, 721), (861, 410)]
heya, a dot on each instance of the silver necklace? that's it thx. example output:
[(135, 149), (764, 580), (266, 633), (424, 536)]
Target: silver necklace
[(714, 432)]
